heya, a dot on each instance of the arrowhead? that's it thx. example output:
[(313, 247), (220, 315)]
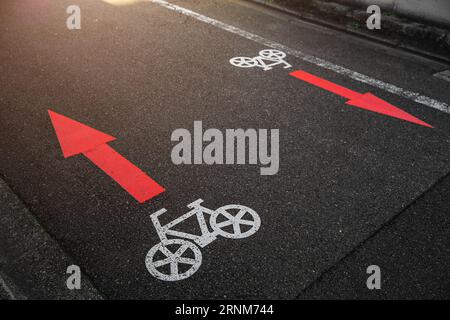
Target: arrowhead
[(75, 137), (372, 103)]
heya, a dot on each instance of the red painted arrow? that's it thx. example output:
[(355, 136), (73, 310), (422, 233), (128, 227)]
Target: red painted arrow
[(75, 138), (365, 101)]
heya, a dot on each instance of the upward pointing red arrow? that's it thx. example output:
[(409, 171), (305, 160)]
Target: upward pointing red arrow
[(365, 101), (77, 138)]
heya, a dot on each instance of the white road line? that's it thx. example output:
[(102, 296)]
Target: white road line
[(6, 288), (444, 75), (416, 97)]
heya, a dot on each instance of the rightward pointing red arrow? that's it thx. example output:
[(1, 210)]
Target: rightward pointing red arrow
[(75, 138), (365, 101)]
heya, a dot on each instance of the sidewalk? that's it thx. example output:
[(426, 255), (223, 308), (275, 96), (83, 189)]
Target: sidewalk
[(32, 265)]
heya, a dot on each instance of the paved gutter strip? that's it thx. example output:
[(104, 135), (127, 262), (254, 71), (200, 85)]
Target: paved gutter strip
[(410, 36), (431, 12), (402, 247), (32, 265)]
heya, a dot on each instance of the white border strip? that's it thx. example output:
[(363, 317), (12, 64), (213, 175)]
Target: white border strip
[(416, 97), (6, 288)]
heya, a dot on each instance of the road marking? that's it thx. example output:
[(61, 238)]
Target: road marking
[(414, 96), (365, 101), (273, 57), (444, 75), (193, 242), (76, 138), (6, 288)]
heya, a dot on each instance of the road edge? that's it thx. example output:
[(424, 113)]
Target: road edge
[(322, 17), (32, 264)]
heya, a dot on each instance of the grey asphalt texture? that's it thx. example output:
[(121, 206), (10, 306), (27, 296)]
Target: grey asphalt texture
[(411, 251), (32, 264), (140, 71)]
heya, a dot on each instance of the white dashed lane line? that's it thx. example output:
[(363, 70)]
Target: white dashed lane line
[(414, 96)]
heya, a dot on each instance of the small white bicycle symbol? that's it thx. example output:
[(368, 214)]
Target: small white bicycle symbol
[(178, 259), (267, 59)]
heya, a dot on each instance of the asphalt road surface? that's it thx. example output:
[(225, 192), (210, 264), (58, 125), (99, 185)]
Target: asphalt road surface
[(142, 70)]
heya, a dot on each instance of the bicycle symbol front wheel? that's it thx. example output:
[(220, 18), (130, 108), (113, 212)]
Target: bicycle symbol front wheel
[(235, 221), (272, 54)]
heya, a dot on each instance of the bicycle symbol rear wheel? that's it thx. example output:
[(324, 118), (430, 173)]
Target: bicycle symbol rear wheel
[(243, 62), (173, 258)]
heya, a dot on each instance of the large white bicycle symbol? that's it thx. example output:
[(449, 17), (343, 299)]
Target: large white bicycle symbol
[(178, 259), (267, 59)]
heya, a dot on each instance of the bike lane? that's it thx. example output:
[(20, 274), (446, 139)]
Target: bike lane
[(343, 171)]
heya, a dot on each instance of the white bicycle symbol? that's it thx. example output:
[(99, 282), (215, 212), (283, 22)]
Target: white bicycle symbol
[(178, 259), (274, 57)]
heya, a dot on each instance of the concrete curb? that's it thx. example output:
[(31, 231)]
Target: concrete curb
[(32, 265), (435, 12), (429, 41)]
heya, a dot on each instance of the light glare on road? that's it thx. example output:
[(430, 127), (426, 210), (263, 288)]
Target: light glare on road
[(121, 2)]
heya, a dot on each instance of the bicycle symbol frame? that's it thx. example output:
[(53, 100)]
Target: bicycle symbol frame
[(185, 242), (274, 57)]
